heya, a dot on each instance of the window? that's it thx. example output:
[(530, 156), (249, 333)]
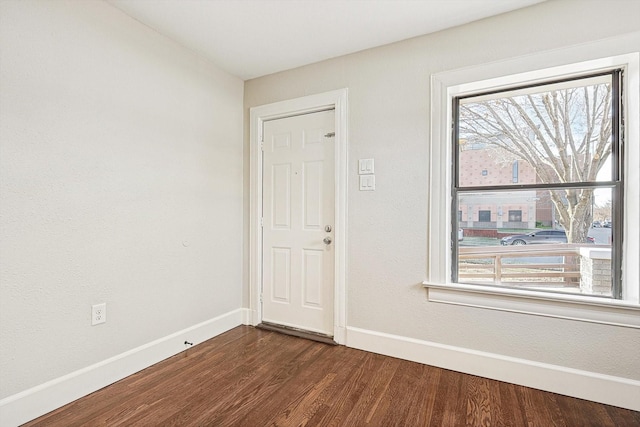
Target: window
[(484, 216), (515, 216), (566, 135), (538, 201)]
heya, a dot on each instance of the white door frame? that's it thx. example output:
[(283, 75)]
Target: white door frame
[(258, 115)]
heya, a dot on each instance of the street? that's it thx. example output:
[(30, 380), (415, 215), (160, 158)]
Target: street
[(602, 236)]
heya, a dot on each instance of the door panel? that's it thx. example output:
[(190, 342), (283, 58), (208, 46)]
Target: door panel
[(313, 195), (281, 277), (312, 278), (298, 203), (281, 200)]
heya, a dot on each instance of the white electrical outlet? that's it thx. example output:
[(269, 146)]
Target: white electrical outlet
[(98, 313)]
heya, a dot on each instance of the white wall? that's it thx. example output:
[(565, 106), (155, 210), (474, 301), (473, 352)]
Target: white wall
[(120, 182), (389, 121)]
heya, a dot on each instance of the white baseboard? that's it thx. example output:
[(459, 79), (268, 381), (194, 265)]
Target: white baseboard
[(607, 389), (34, 402), (247, 316), (340, 334)]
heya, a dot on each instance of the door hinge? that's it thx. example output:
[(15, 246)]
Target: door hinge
[(261, 222), (329, 135), (260, 298)]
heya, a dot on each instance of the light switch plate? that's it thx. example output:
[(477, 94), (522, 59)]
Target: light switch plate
[(365, 166), (367, 182)]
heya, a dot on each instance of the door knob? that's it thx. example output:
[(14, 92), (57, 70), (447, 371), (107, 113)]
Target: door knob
[(327, 240)]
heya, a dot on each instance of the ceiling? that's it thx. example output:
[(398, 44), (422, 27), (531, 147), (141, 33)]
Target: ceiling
[(252, 38)]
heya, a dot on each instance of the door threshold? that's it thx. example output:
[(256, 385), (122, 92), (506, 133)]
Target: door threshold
[(300, 333)]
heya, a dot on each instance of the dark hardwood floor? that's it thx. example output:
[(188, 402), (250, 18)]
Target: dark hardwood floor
[(250, 377)]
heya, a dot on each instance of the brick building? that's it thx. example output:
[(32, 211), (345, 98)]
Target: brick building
[(482, 165)]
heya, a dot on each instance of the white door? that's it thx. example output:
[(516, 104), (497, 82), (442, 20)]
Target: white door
[(298, 221)]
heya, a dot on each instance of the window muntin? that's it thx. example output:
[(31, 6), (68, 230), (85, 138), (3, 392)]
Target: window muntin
[(555, 155)]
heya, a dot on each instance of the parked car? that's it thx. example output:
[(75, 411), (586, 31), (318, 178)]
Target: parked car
[(539, 237), (460, 235), (596, 224)]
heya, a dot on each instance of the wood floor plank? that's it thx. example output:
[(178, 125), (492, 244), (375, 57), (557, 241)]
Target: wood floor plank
[(272, 382), (314, 403), (253, 378), (293, 379), (506, 409), (248, 370), (427, 396), (378, 378), (338, 399), (401, 396), (449, 409), (199, 376), (478, 402), (348, 403)]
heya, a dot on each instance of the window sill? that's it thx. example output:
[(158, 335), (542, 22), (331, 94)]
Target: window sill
[(572, 307)]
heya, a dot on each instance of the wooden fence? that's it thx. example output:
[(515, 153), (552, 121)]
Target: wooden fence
[(486, 264)]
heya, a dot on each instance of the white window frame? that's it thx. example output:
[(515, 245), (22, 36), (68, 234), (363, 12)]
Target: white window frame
[(526, 70)]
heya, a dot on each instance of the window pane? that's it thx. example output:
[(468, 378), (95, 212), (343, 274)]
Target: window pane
[(523, 244), (515, 216), (484, 216), (556, 133)]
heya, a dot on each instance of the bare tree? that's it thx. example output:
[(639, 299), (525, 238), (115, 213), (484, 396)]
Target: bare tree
[(563, 133), (602, 212)]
